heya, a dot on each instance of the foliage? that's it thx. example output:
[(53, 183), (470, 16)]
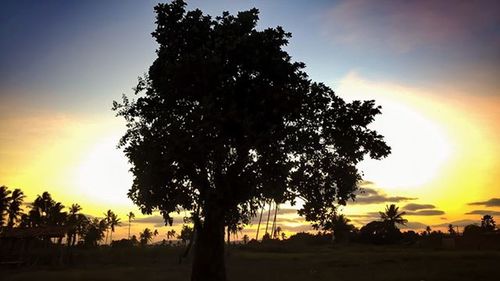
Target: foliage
[(95, 232), (391, 216), (225, 119), (4, 203), (186, 234), (488, 223), (145, 236)]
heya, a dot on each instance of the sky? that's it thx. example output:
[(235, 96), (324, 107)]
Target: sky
[(433, 66)]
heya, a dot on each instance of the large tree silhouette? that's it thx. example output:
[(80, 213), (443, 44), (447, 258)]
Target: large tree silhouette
[(225, 119)]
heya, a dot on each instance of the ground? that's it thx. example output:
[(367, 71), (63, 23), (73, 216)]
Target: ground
[(353, 262)]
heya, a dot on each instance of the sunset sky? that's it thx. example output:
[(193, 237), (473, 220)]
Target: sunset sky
[(434, 66)]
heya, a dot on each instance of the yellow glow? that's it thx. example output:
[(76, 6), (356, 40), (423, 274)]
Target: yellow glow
[(420, 145), (445, 146), (103, 175)]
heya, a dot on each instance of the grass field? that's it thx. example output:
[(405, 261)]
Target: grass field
[(353, 262)]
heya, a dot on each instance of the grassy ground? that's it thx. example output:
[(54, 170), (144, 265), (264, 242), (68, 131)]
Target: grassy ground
[(354, 262)]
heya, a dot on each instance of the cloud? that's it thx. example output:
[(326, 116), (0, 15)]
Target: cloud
[(461, 223), (287, 211), (405, 25), (426, 213), (493, 202), (157, 220), (372, 196), (415, 206), (413, 226), (484, 212)]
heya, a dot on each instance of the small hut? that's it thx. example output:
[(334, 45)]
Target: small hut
[(19, 246)]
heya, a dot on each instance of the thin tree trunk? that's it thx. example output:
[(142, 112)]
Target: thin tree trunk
[(129, 229), (260, 220), (273, 230), (208, 261), (268, 216)]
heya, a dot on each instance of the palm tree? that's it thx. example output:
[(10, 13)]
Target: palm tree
[(392, 216), (14, 212), (146, 236), (95, 231), (72, 223), (268, 217), (428, 230), (4, 203), (488, 223), (451, 230), (273, 228), (277, 232), (260, 220), (113, 221), (170, 234), (283, 236), (130, 217)]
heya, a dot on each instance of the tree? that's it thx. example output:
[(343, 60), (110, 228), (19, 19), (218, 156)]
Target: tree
[(73, 223), (170, 234), (472, 230), (113, 222), (14, 210), (391, 216), (283, 235), (339, 226), (95, 232), (245, 239), (186, 234), (488, 223), (130, 216), (428, 230), (277, 232), (225, 119), (4, 203), (451, 230), (146, 236), (45, 211)]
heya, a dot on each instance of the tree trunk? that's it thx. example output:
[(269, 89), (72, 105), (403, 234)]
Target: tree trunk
[(273, 228), (260, 220), (208, 260), (268, 217)]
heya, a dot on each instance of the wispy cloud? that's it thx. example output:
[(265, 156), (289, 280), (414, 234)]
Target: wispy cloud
[(426, 213), (484, 212), (493, 202), (415, 206), (368, 195)]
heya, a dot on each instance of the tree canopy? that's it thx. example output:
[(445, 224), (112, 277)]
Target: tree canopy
[(225, 120)]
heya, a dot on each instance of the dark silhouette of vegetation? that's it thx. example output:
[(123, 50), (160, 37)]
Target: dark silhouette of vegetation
[(340, 227), (171, 234), (14, 210), (385, 231), (95, 232), (186, 234), (146, 236), (130, 216), (226, 120), (112, 221), (488, 223), (4, 204), (391, 216)]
